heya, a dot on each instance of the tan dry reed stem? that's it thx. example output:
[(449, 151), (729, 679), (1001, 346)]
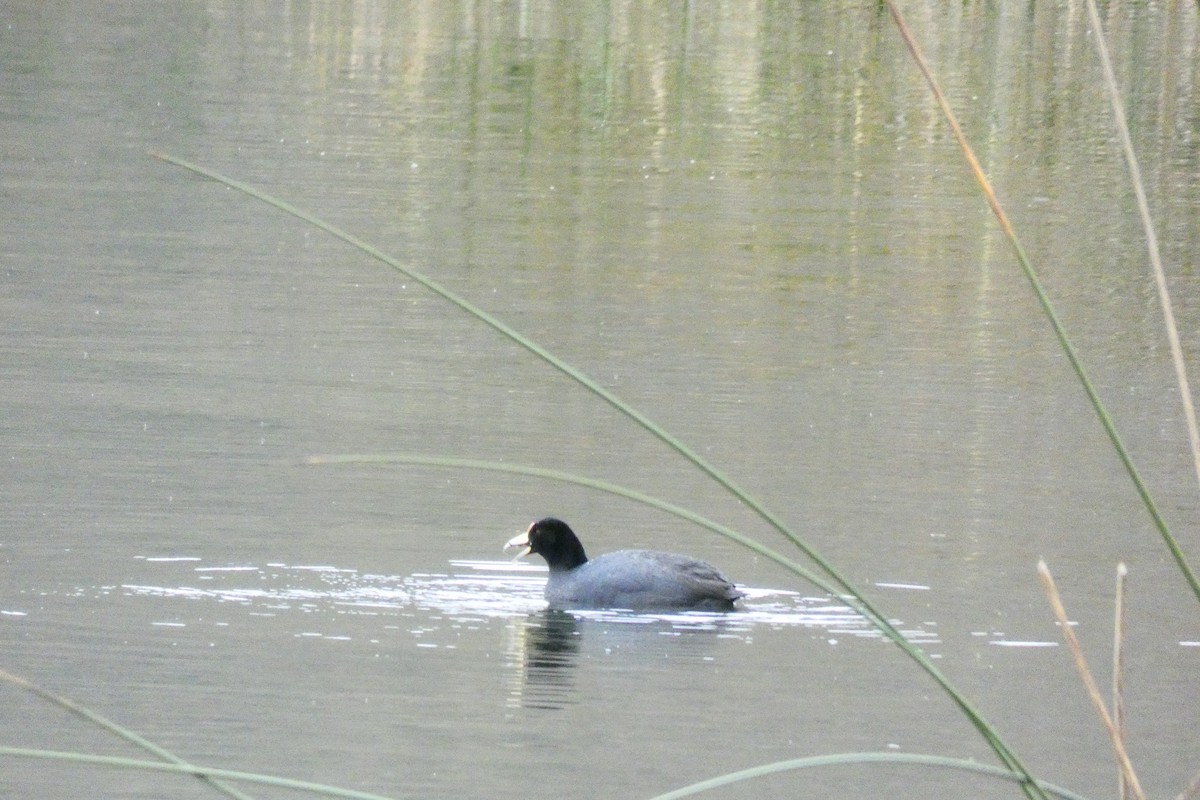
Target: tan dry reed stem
[(1089, 683), (1118, 676), (1035, 283), (1160, 277), (1192, 790)]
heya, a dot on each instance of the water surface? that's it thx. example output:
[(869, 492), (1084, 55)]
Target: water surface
[(746, 220)]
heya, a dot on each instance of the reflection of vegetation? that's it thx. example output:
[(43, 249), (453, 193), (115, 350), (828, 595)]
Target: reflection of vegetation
[(1069, 349), (1129, 781), (658, 99)]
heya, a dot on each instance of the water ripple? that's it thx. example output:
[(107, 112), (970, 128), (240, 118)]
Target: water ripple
[(471, 590)]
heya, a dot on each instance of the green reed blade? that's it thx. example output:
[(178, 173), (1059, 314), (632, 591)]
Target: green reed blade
[(854, 600), (842, 759), (208, 773), (1043, 299), (118, 730), (990, 735)]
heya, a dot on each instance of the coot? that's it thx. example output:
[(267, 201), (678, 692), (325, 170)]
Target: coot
[(632, 579)]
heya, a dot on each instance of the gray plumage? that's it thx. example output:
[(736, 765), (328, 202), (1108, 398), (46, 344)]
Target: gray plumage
[(634, 579)]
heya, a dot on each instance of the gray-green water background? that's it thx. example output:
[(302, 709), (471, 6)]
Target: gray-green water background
[(744, 218)]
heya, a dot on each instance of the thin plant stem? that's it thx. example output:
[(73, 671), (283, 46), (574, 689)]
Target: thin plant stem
[(1118, 676), (1089, 683), (985, 729), (1160, 276), (1044, 300), (841, 759), (124, 733), (611, 488), (1192, 790), (533, 347), (210, 774), (854, 601)]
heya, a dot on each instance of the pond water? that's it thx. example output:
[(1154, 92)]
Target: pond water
[(747, 221)]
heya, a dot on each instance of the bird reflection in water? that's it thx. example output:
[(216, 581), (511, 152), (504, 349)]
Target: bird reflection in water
[(544, 647)]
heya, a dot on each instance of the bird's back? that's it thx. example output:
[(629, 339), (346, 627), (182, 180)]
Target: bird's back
[(642, 580)]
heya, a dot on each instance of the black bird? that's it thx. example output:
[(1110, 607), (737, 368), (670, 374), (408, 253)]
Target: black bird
[(634, 579)]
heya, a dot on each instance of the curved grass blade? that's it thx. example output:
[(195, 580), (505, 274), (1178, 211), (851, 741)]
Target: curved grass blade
[(118, 730), (533, 347), (611, 488), (1044, 300), (208, 773), (990, 735), (854, 601), (842, 759)]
